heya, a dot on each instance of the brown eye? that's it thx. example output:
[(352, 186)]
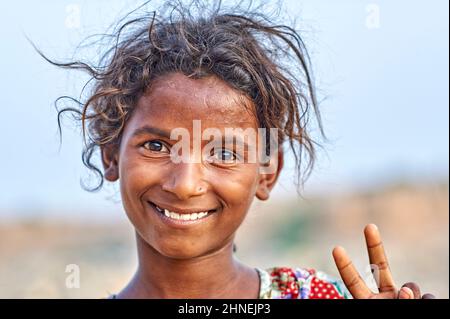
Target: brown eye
[(224, 156), (155, 146)]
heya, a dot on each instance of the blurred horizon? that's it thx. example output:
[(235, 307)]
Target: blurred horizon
[(413, 221)]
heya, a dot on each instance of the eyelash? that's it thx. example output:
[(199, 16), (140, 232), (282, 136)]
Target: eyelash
[(155, 141), (235, 156), (218, 161)]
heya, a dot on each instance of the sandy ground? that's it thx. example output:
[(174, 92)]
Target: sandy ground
[(414, 221)]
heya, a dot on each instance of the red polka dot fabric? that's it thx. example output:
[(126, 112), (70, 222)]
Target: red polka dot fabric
[(320, 289), (300, 283)]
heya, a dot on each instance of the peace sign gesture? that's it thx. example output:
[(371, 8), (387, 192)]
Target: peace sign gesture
[(387, 289)]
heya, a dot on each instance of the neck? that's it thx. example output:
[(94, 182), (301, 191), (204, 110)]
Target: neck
[(214, 275)]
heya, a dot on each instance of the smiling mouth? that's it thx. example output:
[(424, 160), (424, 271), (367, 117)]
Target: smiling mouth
[(183, 215)]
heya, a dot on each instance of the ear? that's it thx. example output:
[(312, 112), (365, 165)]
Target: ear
[(110, 162), (269, 175)]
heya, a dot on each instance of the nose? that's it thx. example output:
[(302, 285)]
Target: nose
[(185, 181)]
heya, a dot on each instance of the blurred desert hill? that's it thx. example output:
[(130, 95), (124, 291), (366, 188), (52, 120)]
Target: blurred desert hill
[(413, 219)]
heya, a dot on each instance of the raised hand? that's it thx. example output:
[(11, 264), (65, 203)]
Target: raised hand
[(387, 289)]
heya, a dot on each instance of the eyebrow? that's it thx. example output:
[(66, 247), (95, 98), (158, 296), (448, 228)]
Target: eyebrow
[(151, 130), (231, 141), (234, 138), (166, 134)]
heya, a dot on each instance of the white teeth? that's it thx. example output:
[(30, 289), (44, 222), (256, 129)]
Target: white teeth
[(166, 212), (174, 216), (193, 216)]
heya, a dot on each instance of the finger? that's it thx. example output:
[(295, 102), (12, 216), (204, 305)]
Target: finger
[(350, 276), (378, 257), (428, 296), (415, 288), (405, 293)]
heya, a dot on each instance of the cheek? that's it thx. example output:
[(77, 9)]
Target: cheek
[(136, 177), (238, 188)]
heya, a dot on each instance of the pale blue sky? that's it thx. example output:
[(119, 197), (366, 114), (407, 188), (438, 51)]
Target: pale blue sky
[(386, 111)]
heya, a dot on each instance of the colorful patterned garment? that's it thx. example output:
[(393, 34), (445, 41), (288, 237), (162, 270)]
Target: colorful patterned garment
[(297, 283)]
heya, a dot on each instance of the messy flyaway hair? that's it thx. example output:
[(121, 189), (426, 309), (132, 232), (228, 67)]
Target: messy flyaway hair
[(240, 45)]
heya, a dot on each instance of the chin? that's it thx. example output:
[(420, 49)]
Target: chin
[(180, 252), (180, 247)]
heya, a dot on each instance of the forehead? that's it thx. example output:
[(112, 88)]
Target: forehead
[(175, 100)]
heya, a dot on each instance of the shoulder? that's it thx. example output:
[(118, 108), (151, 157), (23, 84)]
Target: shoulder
[(300, 283)]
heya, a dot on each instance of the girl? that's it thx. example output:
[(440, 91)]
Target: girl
[(176, 73)]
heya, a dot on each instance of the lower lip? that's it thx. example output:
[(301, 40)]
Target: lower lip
[(180, 223)]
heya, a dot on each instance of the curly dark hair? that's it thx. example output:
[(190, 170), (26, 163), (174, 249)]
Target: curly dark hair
[(242, 46)]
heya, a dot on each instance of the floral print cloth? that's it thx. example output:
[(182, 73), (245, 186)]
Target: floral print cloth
[(298, 283)]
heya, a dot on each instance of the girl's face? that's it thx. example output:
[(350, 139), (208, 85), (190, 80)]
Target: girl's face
[(153, 185)]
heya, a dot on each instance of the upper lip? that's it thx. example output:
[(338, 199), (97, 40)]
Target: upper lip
[(182, 210)]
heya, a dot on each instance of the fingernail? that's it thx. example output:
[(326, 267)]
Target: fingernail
[(406, 293)]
